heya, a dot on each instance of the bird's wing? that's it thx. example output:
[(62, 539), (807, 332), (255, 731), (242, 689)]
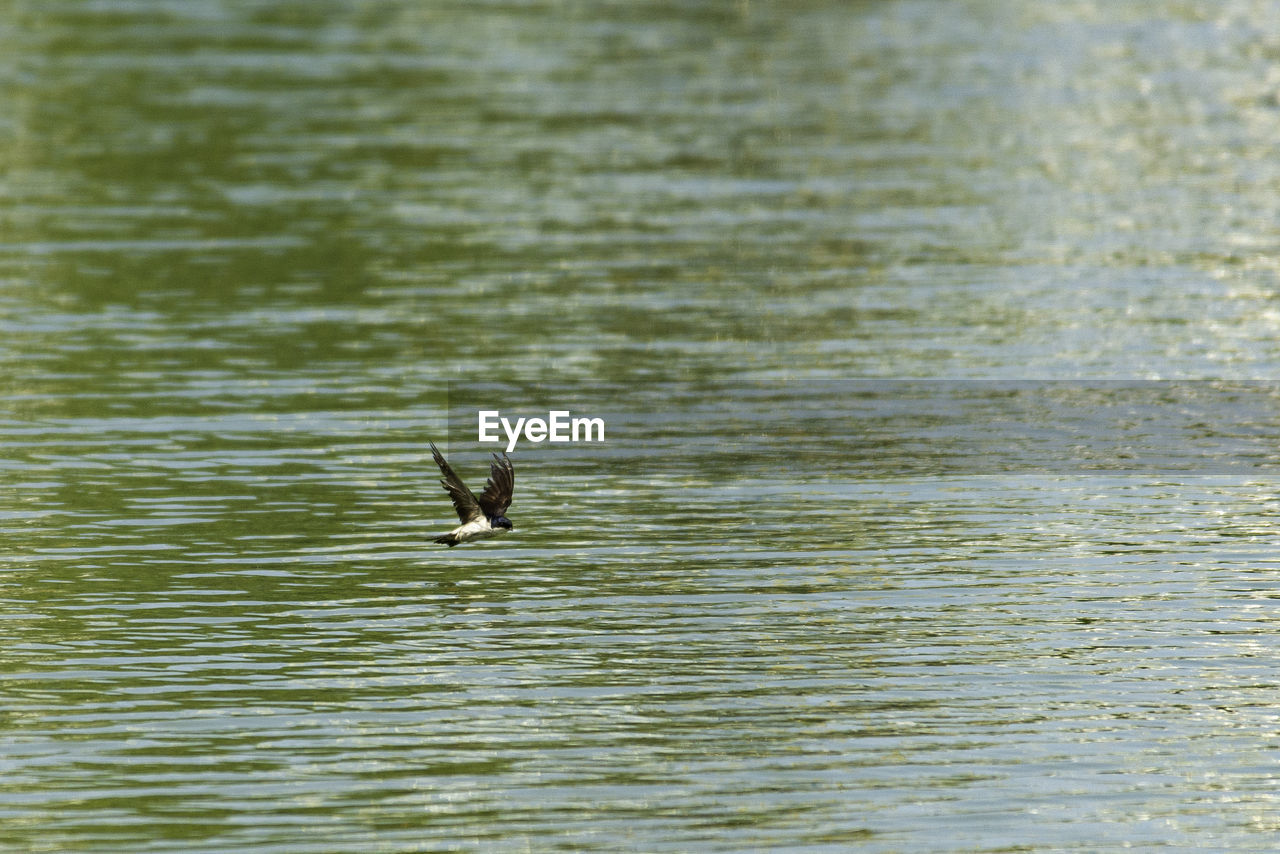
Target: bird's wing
[(496, 497), (464, 500)]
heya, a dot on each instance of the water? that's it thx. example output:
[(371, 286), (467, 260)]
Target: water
[(253, 254)]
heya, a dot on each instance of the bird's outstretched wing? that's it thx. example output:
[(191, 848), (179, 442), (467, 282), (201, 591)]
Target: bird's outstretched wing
[(496, 497), (464, 500)]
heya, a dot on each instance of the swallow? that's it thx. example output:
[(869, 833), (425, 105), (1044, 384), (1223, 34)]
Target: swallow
[(484, 516)]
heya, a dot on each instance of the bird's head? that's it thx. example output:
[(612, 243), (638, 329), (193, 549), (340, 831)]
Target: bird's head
[(503, 522)]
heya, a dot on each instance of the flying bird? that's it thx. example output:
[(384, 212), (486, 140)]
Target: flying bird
[(484, 516)]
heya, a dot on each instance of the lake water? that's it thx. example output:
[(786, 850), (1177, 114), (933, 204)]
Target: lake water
[(937, 344)]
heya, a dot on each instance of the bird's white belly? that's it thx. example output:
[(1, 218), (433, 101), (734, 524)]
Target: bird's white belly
[(476, 529)]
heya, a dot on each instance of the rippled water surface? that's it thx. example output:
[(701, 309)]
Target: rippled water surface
[(254, 254)]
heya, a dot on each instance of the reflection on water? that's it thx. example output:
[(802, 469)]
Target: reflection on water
[(250, 252)]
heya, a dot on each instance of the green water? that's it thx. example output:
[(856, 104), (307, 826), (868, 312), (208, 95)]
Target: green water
[(254, 255)]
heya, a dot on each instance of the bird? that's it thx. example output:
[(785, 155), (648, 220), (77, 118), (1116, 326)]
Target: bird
[(484, 516)]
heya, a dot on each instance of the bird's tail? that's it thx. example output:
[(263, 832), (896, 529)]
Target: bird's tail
[(448, 539)]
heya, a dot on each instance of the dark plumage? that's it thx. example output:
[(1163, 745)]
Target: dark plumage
[(484, 516)]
